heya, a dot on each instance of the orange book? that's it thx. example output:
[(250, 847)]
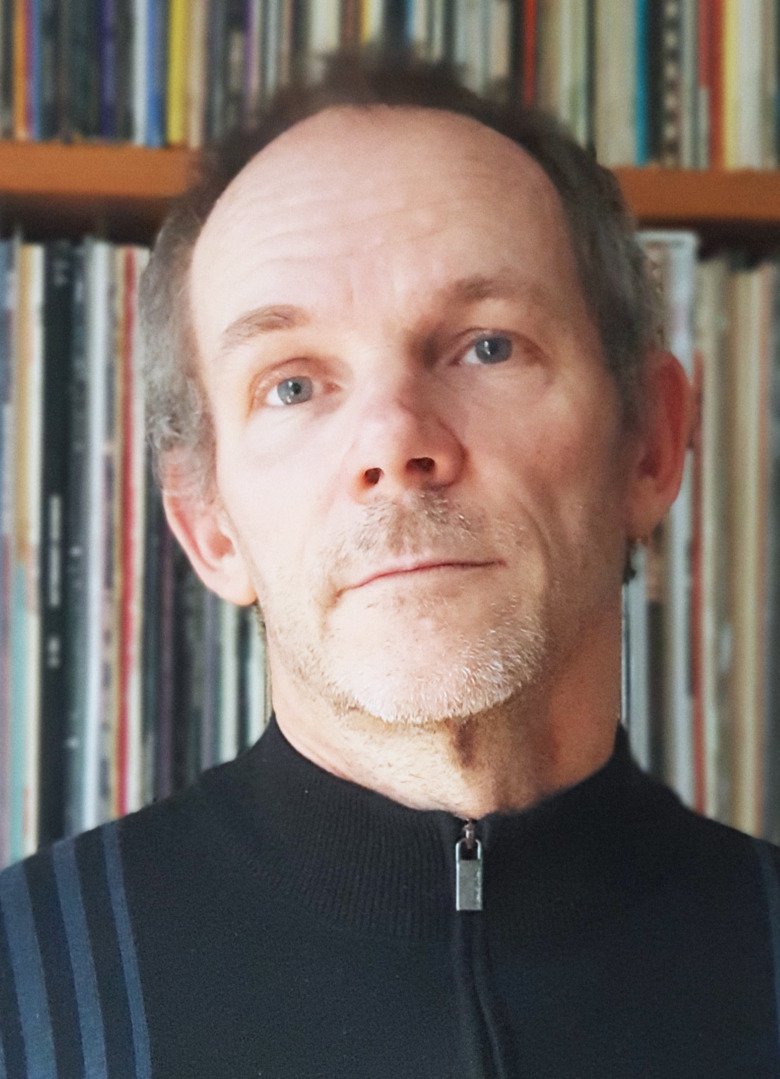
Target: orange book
[(21, 130)]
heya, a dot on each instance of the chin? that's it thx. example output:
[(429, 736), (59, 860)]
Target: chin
[(422, 688)]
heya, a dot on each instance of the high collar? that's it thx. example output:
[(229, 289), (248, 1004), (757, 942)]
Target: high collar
[(362, 861)]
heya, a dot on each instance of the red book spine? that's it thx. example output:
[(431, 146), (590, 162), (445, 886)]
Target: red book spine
[(716, 20), (530, 22)]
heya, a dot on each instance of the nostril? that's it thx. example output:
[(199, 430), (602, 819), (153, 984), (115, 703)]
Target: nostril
[(423, 464), (373, 476)]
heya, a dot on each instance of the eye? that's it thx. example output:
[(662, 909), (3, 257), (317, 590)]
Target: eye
[(291, 391), (491, 348)]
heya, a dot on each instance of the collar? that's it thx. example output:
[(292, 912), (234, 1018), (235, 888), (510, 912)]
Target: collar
[(368, 864)]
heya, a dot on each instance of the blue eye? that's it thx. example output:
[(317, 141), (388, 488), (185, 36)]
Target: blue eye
[(292, 391), (492, 348)]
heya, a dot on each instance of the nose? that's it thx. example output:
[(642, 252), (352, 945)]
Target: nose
[(403, 443)]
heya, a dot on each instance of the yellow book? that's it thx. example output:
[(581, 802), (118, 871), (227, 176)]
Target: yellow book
[(176, 119), (372, 14)]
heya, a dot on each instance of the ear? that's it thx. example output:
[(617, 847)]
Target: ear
[(659, 448), (204, 531)]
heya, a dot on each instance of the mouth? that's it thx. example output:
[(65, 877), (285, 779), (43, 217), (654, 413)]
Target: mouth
[(419, 569)]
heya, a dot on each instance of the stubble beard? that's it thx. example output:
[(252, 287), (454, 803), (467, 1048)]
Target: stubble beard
[(416, 668)]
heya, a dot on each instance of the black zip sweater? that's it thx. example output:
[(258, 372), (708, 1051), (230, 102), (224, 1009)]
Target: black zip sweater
[(276, 921)]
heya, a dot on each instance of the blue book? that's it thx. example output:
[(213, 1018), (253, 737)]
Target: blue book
[(643, 147), (156, 57)]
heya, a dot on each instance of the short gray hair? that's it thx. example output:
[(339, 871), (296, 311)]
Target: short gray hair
[(612, 268)]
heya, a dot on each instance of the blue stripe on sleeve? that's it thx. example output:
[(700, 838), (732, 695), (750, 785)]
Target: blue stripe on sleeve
[(2, 1058), (124, 932), (28, 973), (772, 892), (81, 960)]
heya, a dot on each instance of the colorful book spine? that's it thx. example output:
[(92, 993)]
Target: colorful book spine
[(178, 41)]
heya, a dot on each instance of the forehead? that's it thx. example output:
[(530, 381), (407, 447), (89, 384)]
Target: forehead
[(379, 203)]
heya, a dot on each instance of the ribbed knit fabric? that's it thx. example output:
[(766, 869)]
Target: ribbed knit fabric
[(277, 921)]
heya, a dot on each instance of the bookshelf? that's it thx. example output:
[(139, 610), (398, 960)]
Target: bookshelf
[(52, 187)]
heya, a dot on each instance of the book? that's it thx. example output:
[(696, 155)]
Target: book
[(77, 549), (750, 305), (57, 314)]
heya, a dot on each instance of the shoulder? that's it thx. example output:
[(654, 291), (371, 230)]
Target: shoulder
[(70, 918)]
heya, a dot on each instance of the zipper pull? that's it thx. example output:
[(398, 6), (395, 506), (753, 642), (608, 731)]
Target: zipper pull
[(468, 869)]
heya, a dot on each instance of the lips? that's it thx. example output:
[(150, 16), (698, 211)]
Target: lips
[(408, 569)]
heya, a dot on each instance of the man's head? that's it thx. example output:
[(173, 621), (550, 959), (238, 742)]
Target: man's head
[(425, 443), (610, 263)]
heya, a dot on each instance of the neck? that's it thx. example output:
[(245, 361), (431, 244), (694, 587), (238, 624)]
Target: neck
[(540, 741)]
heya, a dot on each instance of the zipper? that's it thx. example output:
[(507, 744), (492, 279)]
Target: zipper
[(468, 869)]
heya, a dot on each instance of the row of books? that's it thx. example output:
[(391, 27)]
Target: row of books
[(688, 83), (702, 616), (121, 677)]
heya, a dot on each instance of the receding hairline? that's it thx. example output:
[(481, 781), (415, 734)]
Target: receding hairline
[(331, 114)]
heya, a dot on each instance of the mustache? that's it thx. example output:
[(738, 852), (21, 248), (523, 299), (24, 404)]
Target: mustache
[(426, 521)]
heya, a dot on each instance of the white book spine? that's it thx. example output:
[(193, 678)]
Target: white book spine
[(34, 256), (615, 83), (99, 344)]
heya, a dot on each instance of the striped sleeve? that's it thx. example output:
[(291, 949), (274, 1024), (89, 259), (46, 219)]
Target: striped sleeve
[(71, 1000)]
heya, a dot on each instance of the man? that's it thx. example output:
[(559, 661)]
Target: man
[(406, 396)]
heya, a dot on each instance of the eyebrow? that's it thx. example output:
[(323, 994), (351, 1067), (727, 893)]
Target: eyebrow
[(503, 285), (272, 318), (258, 321)]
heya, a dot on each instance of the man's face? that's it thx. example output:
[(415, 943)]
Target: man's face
[(418, 446)]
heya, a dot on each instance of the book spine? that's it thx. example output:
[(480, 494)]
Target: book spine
[(107, 45), (135, 476), (671, 60), (77, 547), (704, 84), (176, 126), (156, 46), (98, 342), (124, 98), (20, 34), (530, 21), (7, 303), (196, 71), (54, 498), (717, 79), (33, 69), (643, 151), (139, 63), (49, 68), (25, 613)]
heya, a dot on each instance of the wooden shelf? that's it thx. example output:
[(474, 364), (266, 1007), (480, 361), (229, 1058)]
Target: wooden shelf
[(120, 189), (735, 206), (124, 190)]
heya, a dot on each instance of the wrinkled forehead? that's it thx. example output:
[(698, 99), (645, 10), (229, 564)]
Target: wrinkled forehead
[(344, 156), (353, 181)]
